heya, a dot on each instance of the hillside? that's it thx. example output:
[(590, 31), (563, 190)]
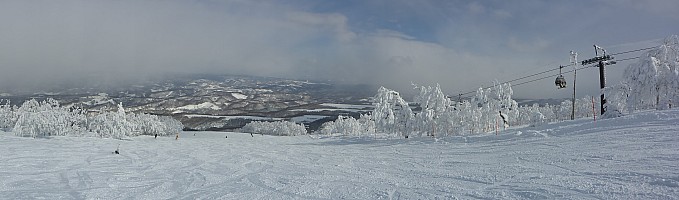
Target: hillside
[(209, 102)]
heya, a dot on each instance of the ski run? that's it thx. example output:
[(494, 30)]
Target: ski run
[(630, 157)]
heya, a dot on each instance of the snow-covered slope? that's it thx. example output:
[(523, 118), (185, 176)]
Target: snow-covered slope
[(632, 157)]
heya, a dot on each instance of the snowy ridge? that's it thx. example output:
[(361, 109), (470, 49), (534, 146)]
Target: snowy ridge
[(204, 105), (257, 118), (631, 157), (239, 96), (347, 106), (223, 95)]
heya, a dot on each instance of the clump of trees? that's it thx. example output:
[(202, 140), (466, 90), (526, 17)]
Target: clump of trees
[(350, 126), (8, 117), (651, 83), (279, 128), (438, 116), (47, 118)]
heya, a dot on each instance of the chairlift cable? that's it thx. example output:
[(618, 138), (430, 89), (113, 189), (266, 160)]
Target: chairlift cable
[(628, 59), (524, 77), (632, 51), (558, 68), (642, 49), (550, 76), (572, 70)]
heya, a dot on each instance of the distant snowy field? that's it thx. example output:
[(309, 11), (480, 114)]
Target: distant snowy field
[(633, 157)]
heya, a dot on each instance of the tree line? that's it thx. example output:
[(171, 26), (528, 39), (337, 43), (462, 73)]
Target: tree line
[(47, 118)]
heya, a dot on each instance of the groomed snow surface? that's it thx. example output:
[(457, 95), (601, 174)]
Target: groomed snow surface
[(633, 157)]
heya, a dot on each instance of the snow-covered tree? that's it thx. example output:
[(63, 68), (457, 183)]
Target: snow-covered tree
[(616, 99), (464, 117), (348, 126), (391, 114), (8, 115), (146, 124), (548, 113), (536, 117), (48, 118), (279, 128), (171, 125), (112, 124), (483, 112), (653, 81), (564, 110), (507, 104), (439, 116), (433, 119)]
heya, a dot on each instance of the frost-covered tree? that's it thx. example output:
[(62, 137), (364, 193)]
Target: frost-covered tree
[(564, 110), (171, 125), (439, 116), (279, 128), (587, 107), (464, 115), (653, 81), (348, 126), (533, 115), (506, 104), (483, 112), (146, 124), (8, 115), (616, 99), (391, 114), (48, 118), (112, 124), (367, 124), (584, 107), (547, 112), (438, 113)]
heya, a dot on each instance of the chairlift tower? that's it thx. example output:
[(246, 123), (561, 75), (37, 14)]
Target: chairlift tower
[(574, 61), (602, 61)]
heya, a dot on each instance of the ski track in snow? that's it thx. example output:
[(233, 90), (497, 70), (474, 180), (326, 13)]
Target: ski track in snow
[(633, 157)]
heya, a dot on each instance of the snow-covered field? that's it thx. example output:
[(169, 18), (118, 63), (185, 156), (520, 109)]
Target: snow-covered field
[(633, 157)]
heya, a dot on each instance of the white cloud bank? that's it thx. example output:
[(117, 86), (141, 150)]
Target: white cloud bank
[(43, 42)]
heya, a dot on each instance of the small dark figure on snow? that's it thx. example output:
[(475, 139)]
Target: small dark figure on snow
[(504, 120), (251, 135), (226, 136), (156, 136), (117, 151)]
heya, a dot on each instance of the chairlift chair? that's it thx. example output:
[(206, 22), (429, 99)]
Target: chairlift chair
[(560, 80)]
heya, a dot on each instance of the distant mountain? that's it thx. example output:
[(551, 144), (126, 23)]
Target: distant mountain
[(223, 102), (215, 102)]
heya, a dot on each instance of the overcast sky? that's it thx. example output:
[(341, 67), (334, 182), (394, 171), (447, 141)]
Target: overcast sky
[(460, 44)]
